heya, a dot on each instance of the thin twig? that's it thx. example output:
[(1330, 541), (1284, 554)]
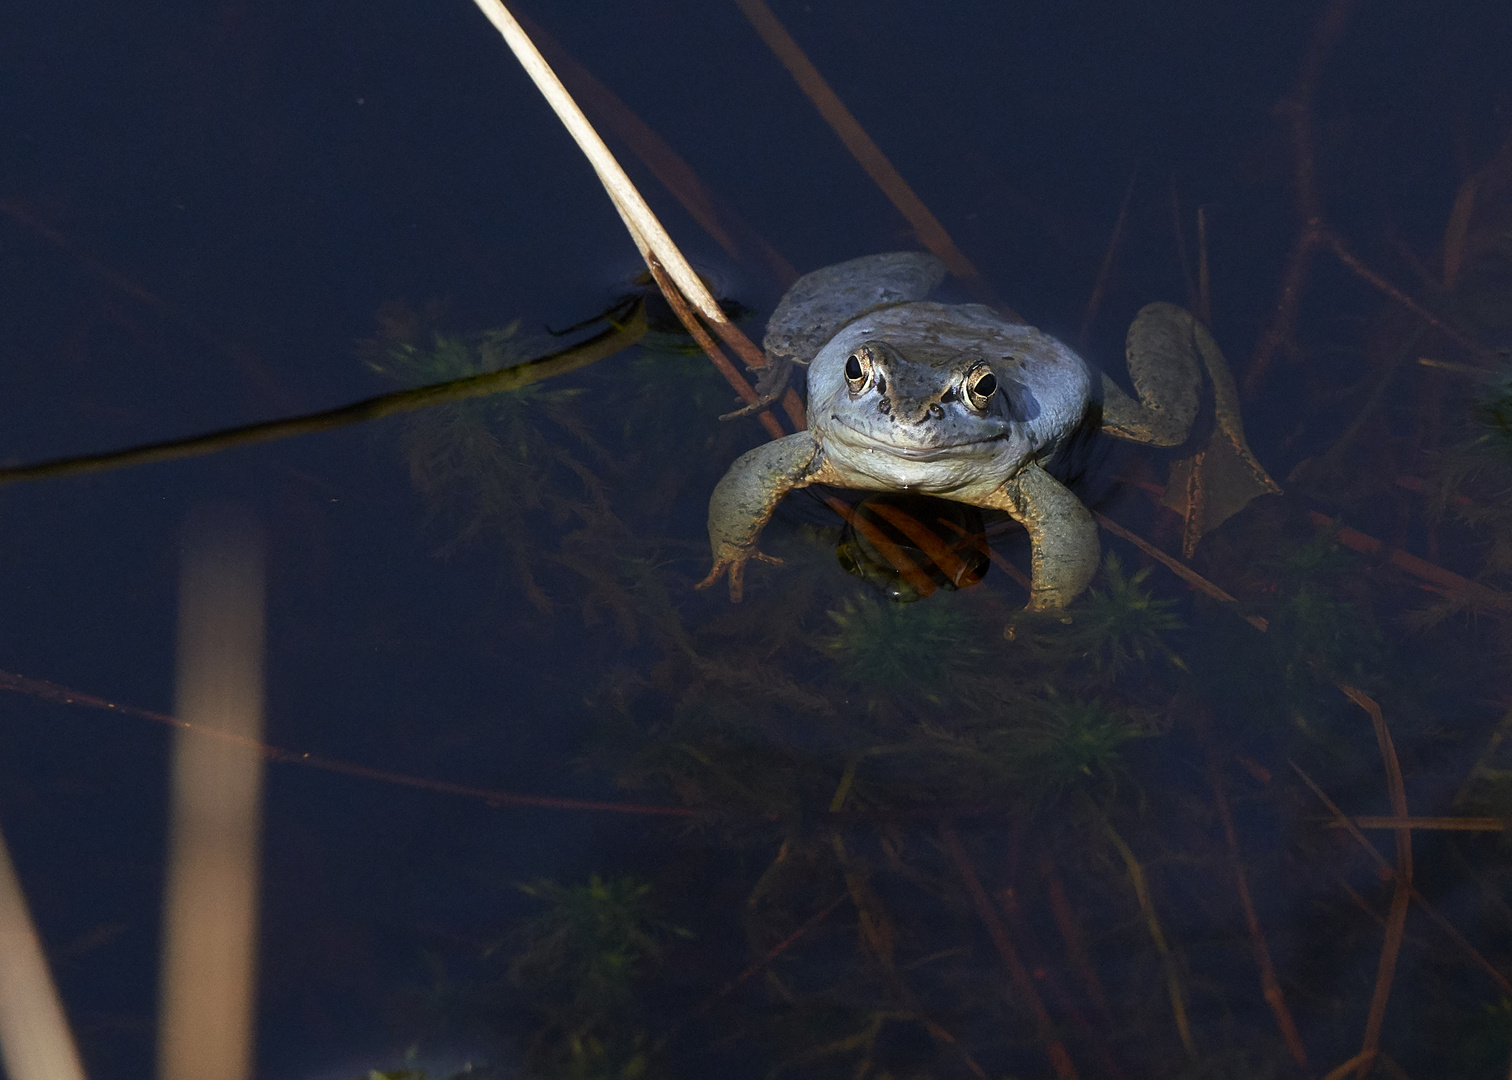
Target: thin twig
[(1297, 107), (1334, 243), (1105, 268), (1076, 942), (48, 691), (1401, 897), (1443, 824), (1381, 861), (768, 957), (1270, 986), (1023, 982), (1185, 573), (1174, 989)]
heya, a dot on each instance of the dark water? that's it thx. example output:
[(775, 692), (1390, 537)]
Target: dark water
[(206, 207)]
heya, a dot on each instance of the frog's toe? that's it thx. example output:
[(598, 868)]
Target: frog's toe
[(734, 564)]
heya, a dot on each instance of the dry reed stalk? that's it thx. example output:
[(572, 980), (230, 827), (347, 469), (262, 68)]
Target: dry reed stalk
[(62, 695), (1401, 897), (208, 979), (723, 227), (1481, 597), (925, 225), (651, 238), (35, 1042), (1023, 982)]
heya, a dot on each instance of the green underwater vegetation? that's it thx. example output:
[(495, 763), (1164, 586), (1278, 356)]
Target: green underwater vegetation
[(583, 964)]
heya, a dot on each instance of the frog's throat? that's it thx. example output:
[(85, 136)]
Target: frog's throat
[(865, 441)]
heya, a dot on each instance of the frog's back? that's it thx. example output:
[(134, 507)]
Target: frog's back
[(820, 303)]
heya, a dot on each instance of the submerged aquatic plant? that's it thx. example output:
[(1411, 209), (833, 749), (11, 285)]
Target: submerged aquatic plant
[(480, 463), (592, 939), (898, 647), (1068, 743), (583, 964), (1124, 622)]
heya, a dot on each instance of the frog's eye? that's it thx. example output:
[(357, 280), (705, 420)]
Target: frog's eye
[(981, 384), (857, 368)]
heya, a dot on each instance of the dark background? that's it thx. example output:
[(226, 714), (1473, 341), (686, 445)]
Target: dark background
[(205, 205)]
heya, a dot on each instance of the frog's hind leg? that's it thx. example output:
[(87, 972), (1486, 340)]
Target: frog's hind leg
[(1162, 355), (1220, 476), (1223, 477), (820, 303)]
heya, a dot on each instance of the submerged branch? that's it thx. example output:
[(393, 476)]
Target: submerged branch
[(1174, 988), (1401, 896), (615, 338)]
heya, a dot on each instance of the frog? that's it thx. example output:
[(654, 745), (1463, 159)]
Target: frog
[(957, 401)]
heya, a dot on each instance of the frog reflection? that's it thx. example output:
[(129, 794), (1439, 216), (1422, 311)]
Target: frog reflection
[(952, 400)]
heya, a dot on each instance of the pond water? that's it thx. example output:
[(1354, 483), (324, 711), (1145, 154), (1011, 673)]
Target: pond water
[(830, 834)]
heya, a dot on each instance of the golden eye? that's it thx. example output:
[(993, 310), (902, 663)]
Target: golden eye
[(857, 370), (981, 384)]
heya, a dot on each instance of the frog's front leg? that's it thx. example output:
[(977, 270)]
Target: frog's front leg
[(744, 499), (1062, 535)]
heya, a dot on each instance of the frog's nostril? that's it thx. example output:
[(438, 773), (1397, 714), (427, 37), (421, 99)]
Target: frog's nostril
[(936, 411)]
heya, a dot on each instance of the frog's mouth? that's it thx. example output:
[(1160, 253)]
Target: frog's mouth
[(919, 453)]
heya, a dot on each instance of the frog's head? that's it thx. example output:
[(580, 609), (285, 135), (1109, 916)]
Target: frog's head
[(941, 398), (916, 400)]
